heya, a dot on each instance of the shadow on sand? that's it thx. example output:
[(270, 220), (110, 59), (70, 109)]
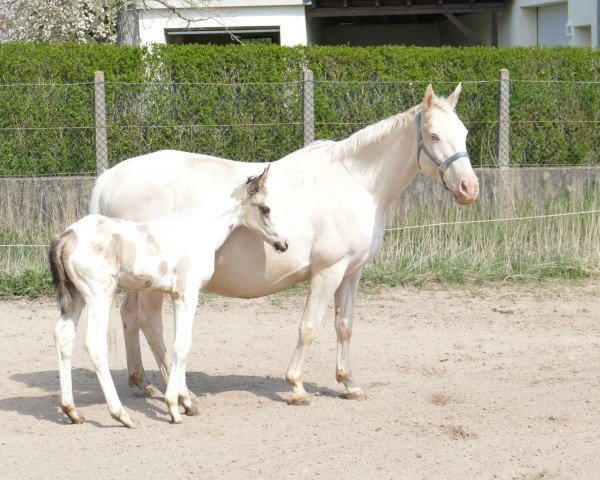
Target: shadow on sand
[(86, 391)]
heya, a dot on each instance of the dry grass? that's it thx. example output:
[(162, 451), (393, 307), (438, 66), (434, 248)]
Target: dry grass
[(523, 251)]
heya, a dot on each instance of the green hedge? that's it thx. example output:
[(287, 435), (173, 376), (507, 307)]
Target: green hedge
[(221, 100)]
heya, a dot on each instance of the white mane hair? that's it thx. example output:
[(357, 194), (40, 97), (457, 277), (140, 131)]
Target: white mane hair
[(371, 134), (374, 133)]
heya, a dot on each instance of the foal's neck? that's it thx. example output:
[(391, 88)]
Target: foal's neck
[(215, 224), (382, 157)]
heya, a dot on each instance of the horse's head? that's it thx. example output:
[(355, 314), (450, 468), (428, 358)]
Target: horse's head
[(442, 146), (256, 214)]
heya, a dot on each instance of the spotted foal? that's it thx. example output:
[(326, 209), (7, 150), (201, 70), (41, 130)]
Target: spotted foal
[(96, 255)]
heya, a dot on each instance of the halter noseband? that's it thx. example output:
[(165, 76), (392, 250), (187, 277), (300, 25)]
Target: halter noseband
[(441, 166)]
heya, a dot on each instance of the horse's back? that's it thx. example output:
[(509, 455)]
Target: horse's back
[(151, 186)]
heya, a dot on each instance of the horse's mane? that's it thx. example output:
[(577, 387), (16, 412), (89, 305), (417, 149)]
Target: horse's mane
[(371, 134)]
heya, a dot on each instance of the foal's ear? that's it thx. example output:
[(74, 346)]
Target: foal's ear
[(453, 98), (429, 96), (262, 178)]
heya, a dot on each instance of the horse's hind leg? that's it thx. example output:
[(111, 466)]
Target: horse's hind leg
[(345, 299), (64, 335), (322, 287), (131, 331), (96, 345)]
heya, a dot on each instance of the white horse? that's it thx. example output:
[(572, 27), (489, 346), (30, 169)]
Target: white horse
[(96, 254), (332, 199)]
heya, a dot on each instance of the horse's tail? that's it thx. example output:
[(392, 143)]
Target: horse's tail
[(101, 182), (65, 290)]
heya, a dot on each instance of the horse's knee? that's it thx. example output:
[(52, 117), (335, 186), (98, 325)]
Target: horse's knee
[(307, 333), (343, 326)]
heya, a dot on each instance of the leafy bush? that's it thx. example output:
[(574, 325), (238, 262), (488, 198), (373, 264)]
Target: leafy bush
[(223, 100)]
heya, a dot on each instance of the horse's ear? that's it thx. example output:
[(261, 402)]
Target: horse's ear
[(453, 98), (429, 96)]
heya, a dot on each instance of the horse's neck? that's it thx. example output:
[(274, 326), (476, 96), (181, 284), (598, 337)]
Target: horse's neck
[(386, 165)]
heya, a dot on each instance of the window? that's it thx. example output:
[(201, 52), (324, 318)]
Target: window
[(222, 36)]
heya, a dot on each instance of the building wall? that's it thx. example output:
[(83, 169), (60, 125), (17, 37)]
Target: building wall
[(517, 25), (289, 18), (425, 35)]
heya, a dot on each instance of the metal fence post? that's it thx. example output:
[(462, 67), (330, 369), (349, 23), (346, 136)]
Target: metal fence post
[(308, 106), (101, 144), (504, 120)]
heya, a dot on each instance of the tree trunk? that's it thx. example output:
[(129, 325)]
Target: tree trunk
[(128, 23)]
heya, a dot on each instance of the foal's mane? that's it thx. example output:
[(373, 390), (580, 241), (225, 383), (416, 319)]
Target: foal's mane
[(372, 133)]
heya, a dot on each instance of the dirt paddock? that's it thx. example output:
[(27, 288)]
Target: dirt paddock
[(476, 383)]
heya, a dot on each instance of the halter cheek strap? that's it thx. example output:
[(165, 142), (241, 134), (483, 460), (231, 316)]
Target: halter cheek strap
[(441, 166)]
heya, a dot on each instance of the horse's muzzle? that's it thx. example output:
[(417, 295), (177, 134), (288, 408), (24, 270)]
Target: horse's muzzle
[(467, 191), (281, 246)]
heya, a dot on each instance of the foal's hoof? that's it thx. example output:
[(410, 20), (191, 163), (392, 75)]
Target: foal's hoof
[(192, 410), (354, 393), (123, 417), (69, 411), (299, 400), (175, 420)]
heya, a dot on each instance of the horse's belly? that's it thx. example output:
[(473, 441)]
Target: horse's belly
[(246, 267)]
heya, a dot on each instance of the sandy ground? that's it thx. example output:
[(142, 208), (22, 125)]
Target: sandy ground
[(462, 384)]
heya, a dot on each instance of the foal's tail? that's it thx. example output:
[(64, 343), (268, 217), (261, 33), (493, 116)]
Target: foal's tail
[(65, 290)]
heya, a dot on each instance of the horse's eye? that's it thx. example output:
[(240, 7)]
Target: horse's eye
[(434, 137), (265, 210)]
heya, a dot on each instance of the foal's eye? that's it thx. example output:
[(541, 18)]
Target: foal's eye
[(434, 137), (265, 210)]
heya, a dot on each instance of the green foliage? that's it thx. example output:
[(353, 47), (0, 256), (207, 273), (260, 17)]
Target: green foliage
[(246, 102)]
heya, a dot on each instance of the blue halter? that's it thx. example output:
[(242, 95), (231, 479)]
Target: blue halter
[(441, 166)]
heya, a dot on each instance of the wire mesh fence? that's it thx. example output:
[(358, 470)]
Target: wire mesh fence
[(80, 129), (52, 129)]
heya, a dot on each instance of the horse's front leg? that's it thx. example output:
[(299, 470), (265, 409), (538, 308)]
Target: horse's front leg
[(177, 392), (322, 287), (345, 299), (150, 320)]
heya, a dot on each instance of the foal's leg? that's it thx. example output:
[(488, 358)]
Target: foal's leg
[(131, 331), (345, 298), (96, 345), (322, 287), (184, 319), (64, 335)]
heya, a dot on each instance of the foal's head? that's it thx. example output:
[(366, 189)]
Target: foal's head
[(443, 135), (256, 214)]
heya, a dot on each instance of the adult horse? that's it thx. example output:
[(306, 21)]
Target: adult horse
[(334, 195)]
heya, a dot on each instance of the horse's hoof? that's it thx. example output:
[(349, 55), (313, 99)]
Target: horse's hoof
[(299, 400), (149, 391), (354, 393)]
